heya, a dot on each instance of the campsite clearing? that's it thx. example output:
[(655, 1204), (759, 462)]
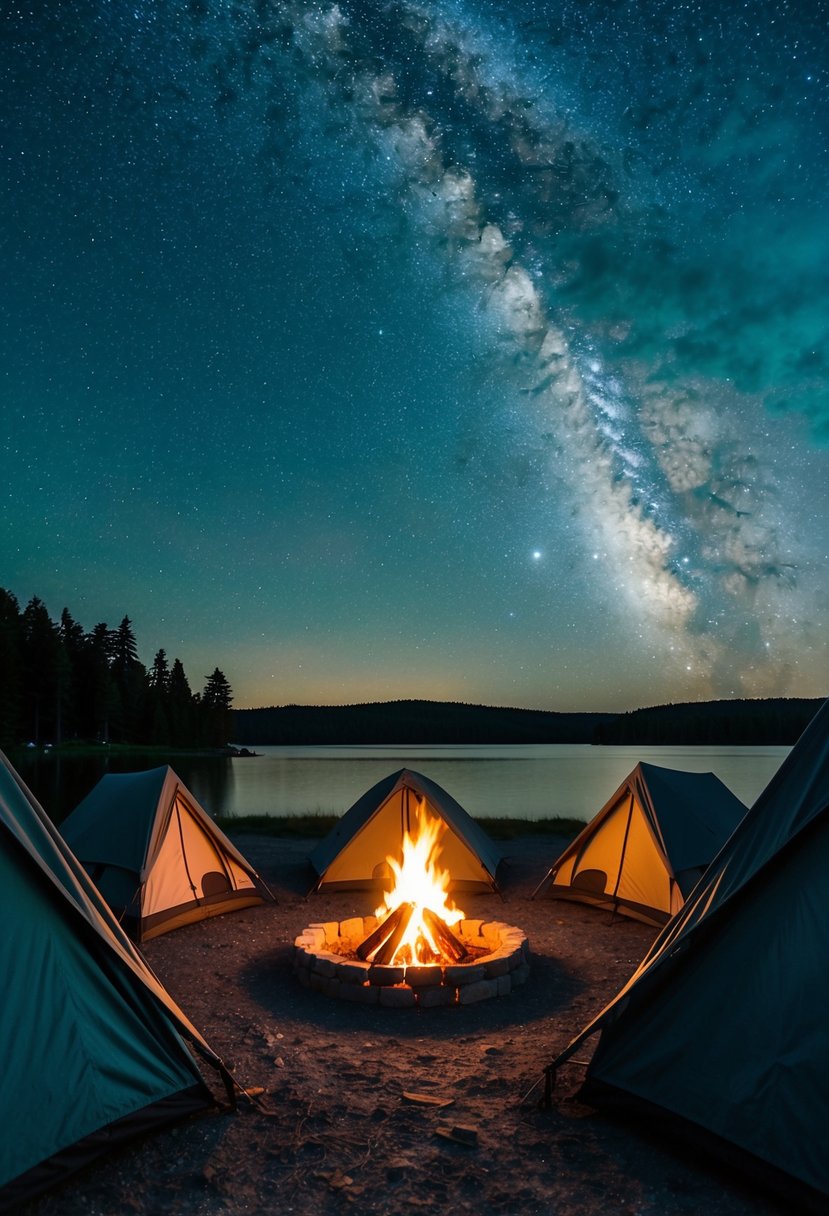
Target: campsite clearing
[(343, 1136)]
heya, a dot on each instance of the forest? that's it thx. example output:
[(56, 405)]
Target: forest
[(61, 683), (737, 722), (412, 722)]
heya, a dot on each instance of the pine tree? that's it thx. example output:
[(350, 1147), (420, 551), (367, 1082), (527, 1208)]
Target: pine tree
[(217, 691), (181, 709), (159, 674), (156, 720), (216, 700), (11, 669), (73, 643), (124, 648), (102, 692), (130, 680), (41, 670)]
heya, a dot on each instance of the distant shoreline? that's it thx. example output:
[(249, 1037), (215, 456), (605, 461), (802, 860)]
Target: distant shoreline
[(769, 721), (774, 721), (316, 826)]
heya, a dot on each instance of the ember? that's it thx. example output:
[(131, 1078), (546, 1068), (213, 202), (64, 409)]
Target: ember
[(382, 945)]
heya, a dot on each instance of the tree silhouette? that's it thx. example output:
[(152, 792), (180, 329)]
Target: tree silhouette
[(11, 667), (73, 643), (103, 693), (216, 700), (42, 671), (159, 673), (56, 680), (157, 722), (181, 709)]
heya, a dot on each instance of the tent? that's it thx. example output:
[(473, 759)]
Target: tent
[(722, 1030), (353, 854), (90, 1039), (647, 847), (155, 855)]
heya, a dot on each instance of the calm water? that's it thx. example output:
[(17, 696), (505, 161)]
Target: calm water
[(528, 782)]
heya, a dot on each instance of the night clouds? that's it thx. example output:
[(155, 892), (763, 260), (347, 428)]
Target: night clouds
[(358, 308)]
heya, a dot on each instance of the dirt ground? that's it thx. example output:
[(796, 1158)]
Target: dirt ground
[(341, 1136)]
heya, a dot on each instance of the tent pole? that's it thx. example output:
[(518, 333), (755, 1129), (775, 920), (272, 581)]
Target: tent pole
[(184, 852), (622, 858)]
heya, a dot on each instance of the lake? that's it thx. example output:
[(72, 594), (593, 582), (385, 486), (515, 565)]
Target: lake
[(516, 781)]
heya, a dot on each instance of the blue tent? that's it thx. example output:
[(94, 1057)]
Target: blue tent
[(90, 1039), (353, 854), (155, 854), (648, 846), (722, 1031)]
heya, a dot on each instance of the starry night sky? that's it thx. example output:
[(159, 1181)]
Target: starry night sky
[(471, 350)]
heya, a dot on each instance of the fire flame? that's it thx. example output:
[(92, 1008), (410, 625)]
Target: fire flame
[(419, 880)]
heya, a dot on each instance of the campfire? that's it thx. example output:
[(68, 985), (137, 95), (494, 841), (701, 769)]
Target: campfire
[(416, 913), (418, 948)]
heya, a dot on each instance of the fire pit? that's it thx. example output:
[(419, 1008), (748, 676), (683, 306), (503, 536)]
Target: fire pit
[(418, 949), (325, 958)]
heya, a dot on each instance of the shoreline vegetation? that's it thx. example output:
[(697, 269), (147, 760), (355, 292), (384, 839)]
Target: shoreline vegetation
[(312, 826), (768, 721), (82, 748), (775, 721)]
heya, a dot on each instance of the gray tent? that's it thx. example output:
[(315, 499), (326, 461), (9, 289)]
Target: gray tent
[(156, 856), (89, 1037), (646, 849), (353, 854), (723, 1027)]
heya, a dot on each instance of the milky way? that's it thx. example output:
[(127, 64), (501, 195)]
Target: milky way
[(586, 259)]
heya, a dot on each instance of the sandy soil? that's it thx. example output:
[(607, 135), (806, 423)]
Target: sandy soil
[(342, 1136)]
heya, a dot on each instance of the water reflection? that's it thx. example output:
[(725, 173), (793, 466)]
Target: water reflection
[(532, 782), (60, 781)]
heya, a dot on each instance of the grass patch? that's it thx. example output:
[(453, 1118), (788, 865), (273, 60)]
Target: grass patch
[(278, 825), (319, 824), (509, 829)]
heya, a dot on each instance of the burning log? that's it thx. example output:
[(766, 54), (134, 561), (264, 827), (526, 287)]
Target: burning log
[(391, 930), (443, 936), (383, 942), (387, 951), (414, 931)]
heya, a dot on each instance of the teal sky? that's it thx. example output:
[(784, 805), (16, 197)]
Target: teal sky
[(471, 351)]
